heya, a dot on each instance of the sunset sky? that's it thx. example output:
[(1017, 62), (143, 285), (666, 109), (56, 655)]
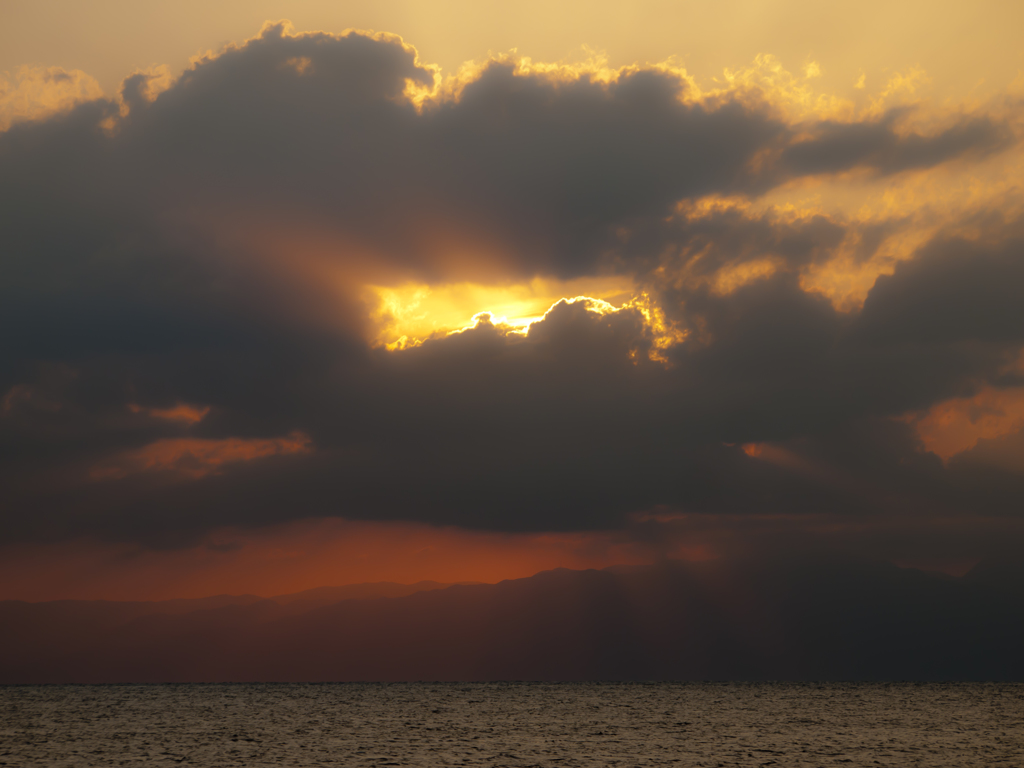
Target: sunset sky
[(310, 293)]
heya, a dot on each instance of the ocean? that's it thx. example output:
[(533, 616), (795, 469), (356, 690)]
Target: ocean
[(513, 724)]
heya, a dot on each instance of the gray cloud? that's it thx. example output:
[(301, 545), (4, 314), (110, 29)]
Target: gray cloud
[(183, 253), (880, 147)]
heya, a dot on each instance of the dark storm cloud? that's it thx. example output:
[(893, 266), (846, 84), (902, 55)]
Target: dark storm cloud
[(313, 133), (182, 253), (527, 169), (698, 245), (570, 427), (956, 290)]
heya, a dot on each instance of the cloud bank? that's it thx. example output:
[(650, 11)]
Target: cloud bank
[(189, 341)]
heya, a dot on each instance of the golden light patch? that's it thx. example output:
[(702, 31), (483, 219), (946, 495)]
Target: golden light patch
[(846, 279), (900, 87), (957, 425), (764, 82), (732, 277), (300, 65), (735, 274), (767, 81), (848, 276), (38, 92), (954, 200), (591, 66), (703, 207), (194, 458), (664, 333), (949, 201), (844, 284), (157, 80)]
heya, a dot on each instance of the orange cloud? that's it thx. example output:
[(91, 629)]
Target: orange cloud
[(189, 414), (956, 425), (24, 395), (195, 457)]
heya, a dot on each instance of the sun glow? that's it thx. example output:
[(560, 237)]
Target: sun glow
[(409, 314)]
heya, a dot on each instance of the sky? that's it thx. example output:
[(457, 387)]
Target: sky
[(298, 294)]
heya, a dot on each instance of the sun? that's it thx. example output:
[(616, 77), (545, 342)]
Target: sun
[(408, 314)]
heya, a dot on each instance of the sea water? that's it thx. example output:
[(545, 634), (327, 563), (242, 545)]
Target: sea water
[(514, 724)]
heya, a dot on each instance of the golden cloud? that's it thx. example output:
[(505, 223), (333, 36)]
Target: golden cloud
[(38, 92)]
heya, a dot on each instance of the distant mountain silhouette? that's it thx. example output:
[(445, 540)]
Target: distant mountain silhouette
[(781, 618), (314, 598)]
